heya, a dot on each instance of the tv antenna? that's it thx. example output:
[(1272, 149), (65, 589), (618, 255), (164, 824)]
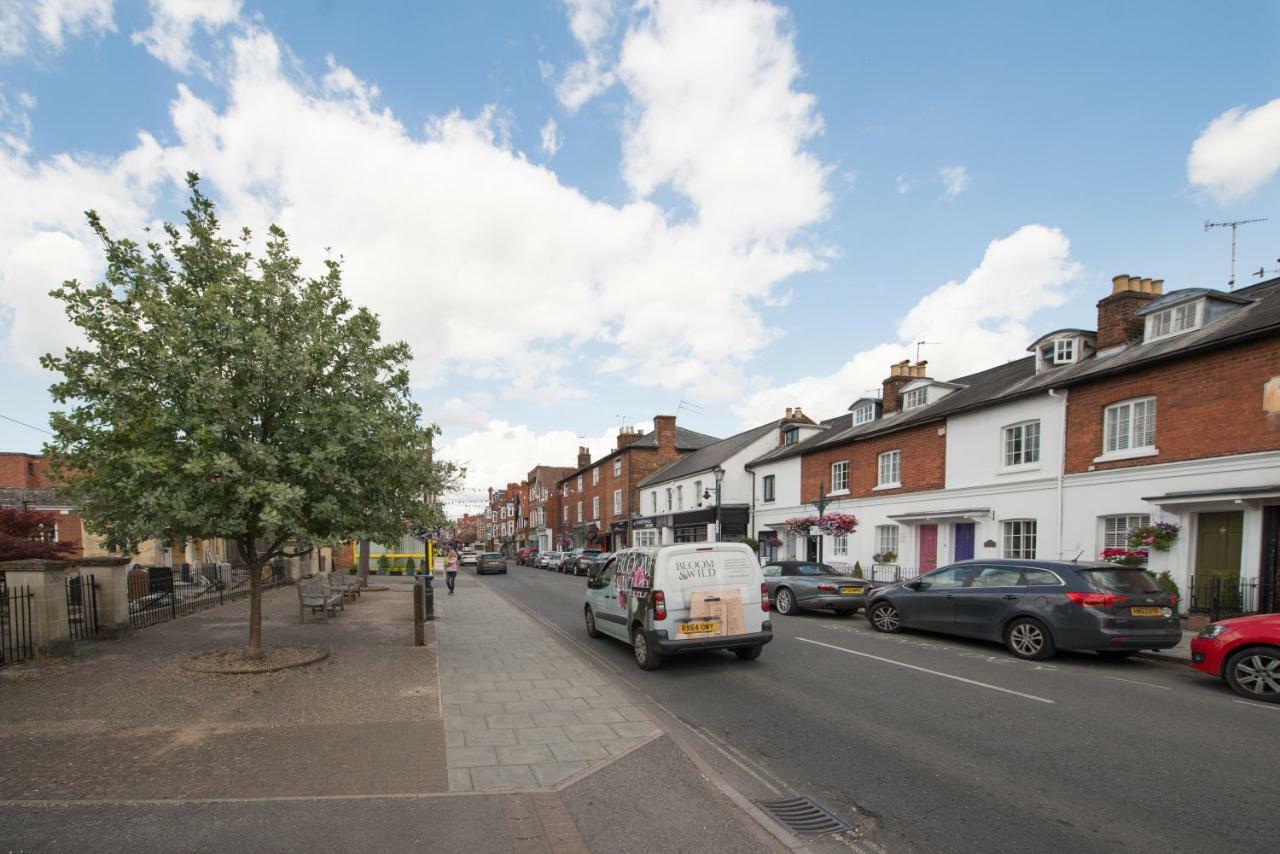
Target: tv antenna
[(1263, 272), (1231, 283), (923, 343), (692, 407)]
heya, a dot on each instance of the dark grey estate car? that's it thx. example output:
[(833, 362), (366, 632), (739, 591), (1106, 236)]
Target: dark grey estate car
[(491, 562), (1035, 607), (796, 585)]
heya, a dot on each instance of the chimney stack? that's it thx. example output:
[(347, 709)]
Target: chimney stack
[(664, 426), (626, 436), (584, 457), (1118, 321), (899, 375)]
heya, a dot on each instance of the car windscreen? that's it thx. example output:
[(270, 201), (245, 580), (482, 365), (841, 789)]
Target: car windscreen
[(1122, 580), (814, 569), (491, 556)]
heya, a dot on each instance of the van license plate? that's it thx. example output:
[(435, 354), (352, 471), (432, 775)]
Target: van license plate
[(1145, 612), (700, 627), (850, 591)]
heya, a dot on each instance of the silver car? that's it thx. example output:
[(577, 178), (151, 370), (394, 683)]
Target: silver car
[(796, 585)]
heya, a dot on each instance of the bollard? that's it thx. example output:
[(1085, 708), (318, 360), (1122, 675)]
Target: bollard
[(419, 629), (429, 595)]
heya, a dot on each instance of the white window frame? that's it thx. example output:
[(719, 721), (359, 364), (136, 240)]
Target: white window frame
[(680, 497), (889, 463), (653, 502), (646, 537), (863, 414), (1022, 459), (840, 545), (1125, 434), (579, 483), (840, 477), (915, 398), (1015, 534), (617, 502), (595, 476), (595, 508), (579, 509), (886, 539), (617, 466), (1175, 320), (670, 498), (1064, 351), (1115, 528), (697, 493)]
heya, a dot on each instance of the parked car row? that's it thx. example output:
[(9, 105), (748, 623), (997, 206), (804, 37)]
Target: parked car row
[(574, 561)]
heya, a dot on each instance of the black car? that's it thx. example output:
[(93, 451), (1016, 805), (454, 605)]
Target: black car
[(1035, 607)]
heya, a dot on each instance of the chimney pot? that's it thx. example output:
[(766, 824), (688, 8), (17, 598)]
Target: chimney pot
[(1157, 286), (788, 411), (1119, 284)]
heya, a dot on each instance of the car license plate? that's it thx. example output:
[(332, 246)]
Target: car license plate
[(850, 591), (698, 627), (1145, 612)]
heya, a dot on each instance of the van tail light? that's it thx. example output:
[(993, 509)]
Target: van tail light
[(1097, 600), (659, 605), (826, 588), (764, 596)]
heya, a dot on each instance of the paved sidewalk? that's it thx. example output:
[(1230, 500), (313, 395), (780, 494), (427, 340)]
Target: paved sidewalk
[(520, 710)]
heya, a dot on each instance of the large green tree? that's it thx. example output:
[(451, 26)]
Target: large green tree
[(223, 394)]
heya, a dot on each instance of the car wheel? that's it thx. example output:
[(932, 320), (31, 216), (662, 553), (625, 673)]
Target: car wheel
[(1029, 639), (1115, 654), (590, 617), (749, 653), (884, 617), (784, 602), (1255, 673), (645, 656)]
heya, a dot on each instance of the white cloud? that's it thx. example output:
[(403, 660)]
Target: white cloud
[(459, 241), (955, 179), (550, 138), (904, 183), (501, 452), (52, 21), (1019, 275), (174, 22), (1237, 153), (591, 22)]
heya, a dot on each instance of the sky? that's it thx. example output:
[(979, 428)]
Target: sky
[(583, 213)]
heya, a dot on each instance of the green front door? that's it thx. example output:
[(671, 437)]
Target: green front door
[(1218, 545)]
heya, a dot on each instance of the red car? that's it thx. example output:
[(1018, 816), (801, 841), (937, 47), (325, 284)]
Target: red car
[(1245, 651)]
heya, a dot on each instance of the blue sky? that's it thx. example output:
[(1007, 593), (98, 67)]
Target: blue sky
[(742, 204)]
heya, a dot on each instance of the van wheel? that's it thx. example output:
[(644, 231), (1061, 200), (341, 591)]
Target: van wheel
[(784, 602), (749, 653), (590, 617), (645, 656), (1029, 639)]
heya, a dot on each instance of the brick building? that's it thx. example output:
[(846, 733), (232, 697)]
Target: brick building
[(598, 499), (544, 505), (25, 485)]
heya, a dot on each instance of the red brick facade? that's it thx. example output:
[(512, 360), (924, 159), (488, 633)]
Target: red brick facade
[(923, 463), (25, 484), (1208, 405)]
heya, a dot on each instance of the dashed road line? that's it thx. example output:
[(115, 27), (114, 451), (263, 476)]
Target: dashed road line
[(1136, 682), (1257, 705)]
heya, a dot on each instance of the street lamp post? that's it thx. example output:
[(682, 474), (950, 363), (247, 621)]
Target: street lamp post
[(821, 504), (706, 496)]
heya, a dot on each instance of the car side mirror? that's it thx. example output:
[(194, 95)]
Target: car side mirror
[(916, 585)]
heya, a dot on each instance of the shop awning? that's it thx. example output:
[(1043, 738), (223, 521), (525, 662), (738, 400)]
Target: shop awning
[(1237, 494), (965, 514)]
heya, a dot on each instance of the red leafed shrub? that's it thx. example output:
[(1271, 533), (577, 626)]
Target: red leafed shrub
[(21, 536)]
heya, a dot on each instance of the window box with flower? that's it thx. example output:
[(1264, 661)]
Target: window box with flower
[(1125, 557)]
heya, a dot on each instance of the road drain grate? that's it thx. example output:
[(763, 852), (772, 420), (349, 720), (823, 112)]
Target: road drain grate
[(804, 816)]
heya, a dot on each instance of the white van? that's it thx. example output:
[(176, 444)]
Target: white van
[(689, 597)]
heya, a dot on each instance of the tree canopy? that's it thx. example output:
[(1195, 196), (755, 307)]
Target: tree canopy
[(220, 394)]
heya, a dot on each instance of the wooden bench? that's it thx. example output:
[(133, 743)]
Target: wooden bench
[(316, 594), (349, 585)]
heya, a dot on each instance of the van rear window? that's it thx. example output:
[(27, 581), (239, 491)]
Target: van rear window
[(1121, 580)]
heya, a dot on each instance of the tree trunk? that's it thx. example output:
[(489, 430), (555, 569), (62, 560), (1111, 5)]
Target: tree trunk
[(364, 563), (254, 649)]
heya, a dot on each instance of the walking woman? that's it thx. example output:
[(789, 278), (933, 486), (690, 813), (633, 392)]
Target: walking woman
[(451, 571)]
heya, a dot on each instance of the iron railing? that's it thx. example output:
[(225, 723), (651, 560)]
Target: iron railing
[(15, 624), (890, 573), (1220, 596), (82, 607), (155, 595)]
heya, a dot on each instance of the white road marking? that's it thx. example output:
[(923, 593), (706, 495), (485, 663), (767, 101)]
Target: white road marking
[(1257, 705), (1136, 682), (930, 672)]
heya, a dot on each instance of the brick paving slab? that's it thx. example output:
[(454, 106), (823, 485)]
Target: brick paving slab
[(121, 720), (562, 715)]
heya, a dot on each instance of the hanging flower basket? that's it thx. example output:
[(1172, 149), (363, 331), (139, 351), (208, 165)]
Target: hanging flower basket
[(1161, 536), (800, 525), (838, 524), (1125, 557), (772, 542)]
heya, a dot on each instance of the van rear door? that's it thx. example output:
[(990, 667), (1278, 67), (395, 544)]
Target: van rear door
[(711, 590)]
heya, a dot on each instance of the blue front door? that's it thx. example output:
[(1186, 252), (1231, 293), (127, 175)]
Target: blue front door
[(964, 540)]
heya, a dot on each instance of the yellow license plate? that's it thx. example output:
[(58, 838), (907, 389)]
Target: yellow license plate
[(1145, 612), (698, 628), (850, 591)]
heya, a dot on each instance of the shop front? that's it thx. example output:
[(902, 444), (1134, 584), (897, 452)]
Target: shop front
[(646, 530), (617, 536)]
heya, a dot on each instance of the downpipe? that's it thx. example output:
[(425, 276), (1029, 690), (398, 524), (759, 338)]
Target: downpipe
[(1062, 462)]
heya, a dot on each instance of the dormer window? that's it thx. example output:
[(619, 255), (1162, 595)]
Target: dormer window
[(1064, 351), (790, 435), (1063, 347), (1174, 321), (915, 397), (863, 414)]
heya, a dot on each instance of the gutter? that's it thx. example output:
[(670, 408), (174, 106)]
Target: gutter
[(1062, 462)]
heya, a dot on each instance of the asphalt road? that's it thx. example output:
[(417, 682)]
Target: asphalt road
[(932, 743)]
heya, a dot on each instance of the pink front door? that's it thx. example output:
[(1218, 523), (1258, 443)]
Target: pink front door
[(928, 554)]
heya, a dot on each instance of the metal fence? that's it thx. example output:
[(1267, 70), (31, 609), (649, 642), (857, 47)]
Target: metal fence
[(1220, 596), (82, 607), (15, 624), (890, 573), (157, 594)]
